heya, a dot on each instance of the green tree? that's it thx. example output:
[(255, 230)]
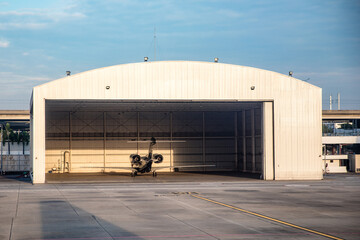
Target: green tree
[(6, 133), (346, 126), (13, 137), (24, 137), (10, 136), (326, 129)]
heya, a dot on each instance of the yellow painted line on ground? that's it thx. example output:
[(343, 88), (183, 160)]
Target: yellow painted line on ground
[(268, 218)]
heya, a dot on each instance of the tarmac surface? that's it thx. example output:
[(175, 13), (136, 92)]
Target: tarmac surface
[(180, 206)]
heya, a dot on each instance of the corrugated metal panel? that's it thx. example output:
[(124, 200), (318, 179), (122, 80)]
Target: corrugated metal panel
[(297, 105)]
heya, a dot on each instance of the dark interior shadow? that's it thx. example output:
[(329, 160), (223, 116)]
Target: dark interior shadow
[(15, 176), (228, 173)]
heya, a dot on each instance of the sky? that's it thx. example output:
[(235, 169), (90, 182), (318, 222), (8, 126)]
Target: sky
[(319, 40)]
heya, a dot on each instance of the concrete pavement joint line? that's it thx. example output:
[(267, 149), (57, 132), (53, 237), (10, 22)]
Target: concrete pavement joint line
[(11, 227), (17, 202), (268, 218), (111, 197), (16, 212), (178, 236), (214, 215), (96, 220), (67, 200), (139, 188), (187, 224)]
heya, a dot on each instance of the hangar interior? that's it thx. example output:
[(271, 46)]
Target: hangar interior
[(94, 136)]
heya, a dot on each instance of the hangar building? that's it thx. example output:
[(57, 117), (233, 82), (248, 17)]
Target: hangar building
[(238, 118)]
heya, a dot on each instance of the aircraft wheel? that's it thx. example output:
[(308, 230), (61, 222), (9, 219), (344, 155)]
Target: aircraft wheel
[(133, 174), (154, 174)]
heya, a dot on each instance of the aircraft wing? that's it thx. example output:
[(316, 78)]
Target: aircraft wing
[(183, 166), (158, 141), (125, 168)]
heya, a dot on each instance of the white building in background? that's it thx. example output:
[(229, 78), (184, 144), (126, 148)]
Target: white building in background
[(341, 141), (239, 118), (14, 155)]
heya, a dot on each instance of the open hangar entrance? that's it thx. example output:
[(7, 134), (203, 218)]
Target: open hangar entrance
[(98, 136)]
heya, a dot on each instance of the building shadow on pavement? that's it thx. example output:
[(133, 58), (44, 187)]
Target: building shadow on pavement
[(59, 219)]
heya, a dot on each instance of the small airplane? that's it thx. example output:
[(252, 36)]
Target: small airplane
[(144, 164)]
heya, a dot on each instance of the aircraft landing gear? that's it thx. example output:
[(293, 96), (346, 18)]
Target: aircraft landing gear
[(154, 173), (133, 173)]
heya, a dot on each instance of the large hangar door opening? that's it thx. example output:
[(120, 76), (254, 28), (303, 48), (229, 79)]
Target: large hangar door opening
[(93, 136)]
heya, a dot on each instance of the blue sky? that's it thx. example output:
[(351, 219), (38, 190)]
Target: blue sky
[(318, 40)]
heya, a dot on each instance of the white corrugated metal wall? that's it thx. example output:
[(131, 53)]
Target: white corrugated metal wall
[(296, 109)]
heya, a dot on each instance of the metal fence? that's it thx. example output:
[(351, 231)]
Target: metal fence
[(15, 157)]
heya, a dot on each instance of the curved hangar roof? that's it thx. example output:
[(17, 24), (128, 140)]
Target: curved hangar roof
[(176, 80), (291, 108)]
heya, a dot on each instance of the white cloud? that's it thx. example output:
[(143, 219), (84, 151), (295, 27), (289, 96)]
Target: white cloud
[(4, 43), (37, 18), (18, 89), (347, 73), (22, 25), (16, 13), (16, 79), (45, 13), (229, 13)]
